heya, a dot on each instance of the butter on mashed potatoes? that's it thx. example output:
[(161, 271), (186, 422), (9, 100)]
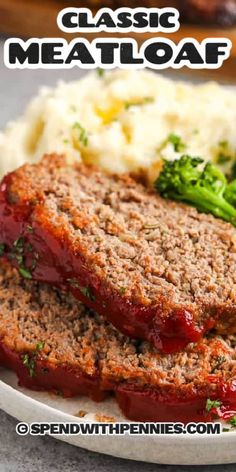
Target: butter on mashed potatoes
[(124, 121)]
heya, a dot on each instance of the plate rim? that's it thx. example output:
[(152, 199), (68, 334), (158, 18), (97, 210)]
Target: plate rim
[(178, 438)]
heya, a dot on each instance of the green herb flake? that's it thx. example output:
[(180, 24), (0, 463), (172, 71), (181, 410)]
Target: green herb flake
[(17, 253), (232, 421), (34, 265), (83, 135), (176, 141), (144, 101), (225, 154), (219, 361), (30, 229), (2, 249), (212, 404), (224, 144), (66, 141), (223, 158), (86, 291), (29, 363), (29, 360), (19, 259), (19, 243), (29, 247), (100, 72), (129, 104), (122, 290), (226, 430), (25, 273), (39, 346)]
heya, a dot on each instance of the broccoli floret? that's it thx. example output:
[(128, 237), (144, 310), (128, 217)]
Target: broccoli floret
[(230, 193), (204, 186)]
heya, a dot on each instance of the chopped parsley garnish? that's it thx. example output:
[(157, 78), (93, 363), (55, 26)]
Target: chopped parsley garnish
[(122, 290), (137, 103), (219, 361), (29, 363), (223, 158), (212, 404), (65, 141), (86, 291), (224, 144), (232, 421), (19, 244), (40, 346), (100, 72), (29, 360), (2, 249), (83, 135), (17, 253), (19, 259), (224, 153), (176, 141)]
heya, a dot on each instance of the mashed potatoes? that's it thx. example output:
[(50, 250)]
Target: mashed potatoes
[(124, 121)]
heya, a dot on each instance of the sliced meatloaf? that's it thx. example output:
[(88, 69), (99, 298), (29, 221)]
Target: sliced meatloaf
[(158, 270), (54, 343)]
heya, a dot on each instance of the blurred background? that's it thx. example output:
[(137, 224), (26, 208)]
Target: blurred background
[(199, 19)]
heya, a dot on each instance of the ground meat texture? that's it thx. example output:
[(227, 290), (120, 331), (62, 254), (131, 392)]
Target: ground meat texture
[(54, 343), (158, 270)]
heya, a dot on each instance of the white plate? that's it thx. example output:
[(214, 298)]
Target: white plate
[(42, 407)]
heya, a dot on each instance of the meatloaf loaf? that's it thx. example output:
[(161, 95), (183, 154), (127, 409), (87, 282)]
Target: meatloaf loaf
[(158, 270), (54, 343)]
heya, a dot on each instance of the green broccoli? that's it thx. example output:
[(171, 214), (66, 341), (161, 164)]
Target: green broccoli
[(204, 186), (230, 193)]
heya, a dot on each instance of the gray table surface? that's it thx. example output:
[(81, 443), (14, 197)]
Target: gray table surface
[(30, 454)]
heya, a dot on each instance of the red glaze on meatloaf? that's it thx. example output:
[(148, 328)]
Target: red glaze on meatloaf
[(158, 270), (54, 343)]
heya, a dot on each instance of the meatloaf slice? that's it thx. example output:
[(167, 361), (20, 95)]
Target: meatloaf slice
[(54, 343), (158, 270)]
